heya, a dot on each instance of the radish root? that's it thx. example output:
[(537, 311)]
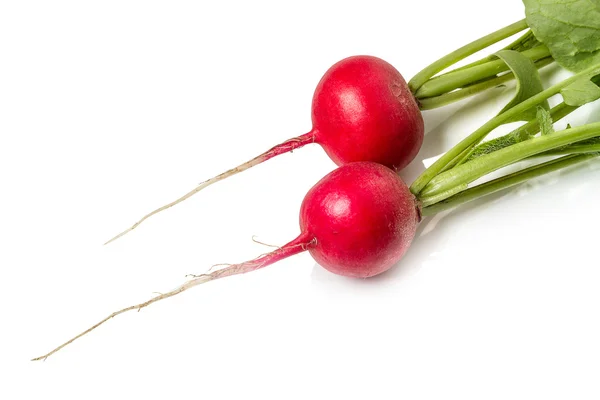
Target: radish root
[(228, 264), (285, 147), (298, 245), (263, 243)]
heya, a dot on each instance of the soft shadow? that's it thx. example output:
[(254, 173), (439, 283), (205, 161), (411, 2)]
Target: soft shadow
[(321, 276), (594, 112), (550, 73), (434, 229)]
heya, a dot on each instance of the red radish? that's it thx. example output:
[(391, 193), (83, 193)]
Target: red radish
[(362, 110), (357, 221), (362, 218)]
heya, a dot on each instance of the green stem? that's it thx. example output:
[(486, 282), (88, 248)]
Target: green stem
[(505, 182), (477, 168), (483, 131), (457, 160), (525, 42), (520, 134), (418, 80), (457, 95), (430, 200), (572, 149), (456, 79)]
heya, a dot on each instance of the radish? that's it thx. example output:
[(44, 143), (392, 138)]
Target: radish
[(357, 221), (363, 110), (360, 219)]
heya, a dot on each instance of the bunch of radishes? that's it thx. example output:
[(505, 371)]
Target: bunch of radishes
[(360, 219)]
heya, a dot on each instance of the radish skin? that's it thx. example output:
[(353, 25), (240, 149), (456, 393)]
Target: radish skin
[(363, 217)]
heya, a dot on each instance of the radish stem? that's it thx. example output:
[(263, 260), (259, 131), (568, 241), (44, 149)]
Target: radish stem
[(524, 132), (287, 146), (452, 58), (431, 103), (524, 42), (504, 183), (298, 245), (475, 169), (572, 149), (488, 127), (430, 200), (456, 79)]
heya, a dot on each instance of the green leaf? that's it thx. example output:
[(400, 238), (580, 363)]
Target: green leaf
[(493, 145), (519, 135), (545, 121), (581, 92), (570, 29), (528, 79)]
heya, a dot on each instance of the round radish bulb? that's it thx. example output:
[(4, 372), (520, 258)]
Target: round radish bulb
[(363, 219), (362, 110)]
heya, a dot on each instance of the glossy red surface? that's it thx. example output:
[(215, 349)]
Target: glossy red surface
[(363, 218), (363, 110)]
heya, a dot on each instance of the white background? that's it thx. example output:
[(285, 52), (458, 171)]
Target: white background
[(110, 109)]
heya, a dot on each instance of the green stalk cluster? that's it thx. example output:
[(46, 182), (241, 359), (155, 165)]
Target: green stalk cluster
[(433, 89), (445, 184)]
